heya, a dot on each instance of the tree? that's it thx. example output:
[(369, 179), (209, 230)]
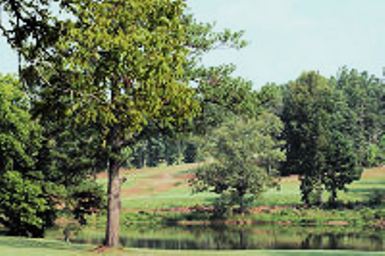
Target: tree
[(318, 129), (245, 153), (270, 98), (115, 66), (121, 66), (25, 197), (365, 95), (341, 157), (31, 29)]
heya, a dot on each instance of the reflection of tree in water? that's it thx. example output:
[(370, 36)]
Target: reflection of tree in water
[(377, 242), (246, 237), (224, 237), (343, 241)]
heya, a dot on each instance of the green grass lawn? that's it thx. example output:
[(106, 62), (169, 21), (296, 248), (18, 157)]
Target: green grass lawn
[(11, 246)]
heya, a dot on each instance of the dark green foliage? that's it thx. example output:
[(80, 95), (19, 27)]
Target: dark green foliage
[(31, 28), (27, 200), (245, 155), (69, 154), (377, 197), (155, 152), (365, 96), (319, 128), (86, 198), (190, 154), (22, 205)]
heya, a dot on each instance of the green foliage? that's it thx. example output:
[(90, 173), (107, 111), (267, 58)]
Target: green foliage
[(22, 205), (86, 199), (127, 74), (190, 154), (245, 154), (270, 98), (223, 96), (120, 66), (319, 129), (30, 28), (19, 135), (27, 201), (376, 197), (376, 153), (365, 96)]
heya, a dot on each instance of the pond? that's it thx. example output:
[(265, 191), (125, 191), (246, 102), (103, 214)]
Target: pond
[(246, 237)]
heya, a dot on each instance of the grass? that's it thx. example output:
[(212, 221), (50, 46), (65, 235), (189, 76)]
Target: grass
[(167, 187), (10, 246)]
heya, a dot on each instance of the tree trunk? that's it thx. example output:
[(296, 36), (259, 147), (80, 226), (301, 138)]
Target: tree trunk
[(242, 206), (333, 198), (113, 208)]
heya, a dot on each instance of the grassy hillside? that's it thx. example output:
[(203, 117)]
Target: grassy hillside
[(167, 187)]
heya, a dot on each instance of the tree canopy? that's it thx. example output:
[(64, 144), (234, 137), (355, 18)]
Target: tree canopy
[(245, 154), (320, 146)]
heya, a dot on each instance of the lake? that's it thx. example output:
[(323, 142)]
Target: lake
[(227, 237)]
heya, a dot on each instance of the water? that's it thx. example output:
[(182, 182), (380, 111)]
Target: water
[(250, 237)]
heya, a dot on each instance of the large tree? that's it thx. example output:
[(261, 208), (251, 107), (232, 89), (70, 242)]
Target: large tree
[(121, 66), (117, 66), (318, 130)]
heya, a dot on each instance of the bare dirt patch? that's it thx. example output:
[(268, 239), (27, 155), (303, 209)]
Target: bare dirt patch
[(378, 172)]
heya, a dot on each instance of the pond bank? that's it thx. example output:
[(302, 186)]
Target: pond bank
[(286, 216)]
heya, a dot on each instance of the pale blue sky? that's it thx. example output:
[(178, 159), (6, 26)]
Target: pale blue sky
[(287, 37)]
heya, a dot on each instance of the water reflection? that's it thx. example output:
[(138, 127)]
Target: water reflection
[(250, 237)]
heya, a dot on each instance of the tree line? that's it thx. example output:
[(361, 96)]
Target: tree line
[(115, 84)]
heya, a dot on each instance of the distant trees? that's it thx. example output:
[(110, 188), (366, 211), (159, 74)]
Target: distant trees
[(318, 129), (365, 95), (245, 154)]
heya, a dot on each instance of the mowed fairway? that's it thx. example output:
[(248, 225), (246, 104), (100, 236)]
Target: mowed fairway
[(168, 187)]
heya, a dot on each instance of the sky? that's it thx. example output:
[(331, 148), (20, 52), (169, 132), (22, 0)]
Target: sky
[(287, 37)]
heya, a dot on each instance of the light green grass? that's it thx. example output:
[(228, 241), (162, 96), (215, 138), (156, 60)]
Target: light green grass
[(10, 246)]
